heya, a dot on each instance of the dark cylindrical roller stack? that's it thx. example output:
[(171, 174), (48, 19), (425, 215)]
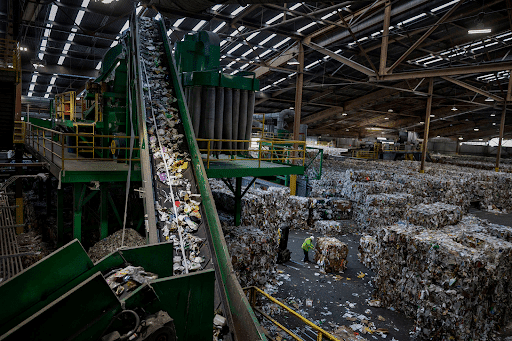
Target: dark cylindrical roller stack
[(219, 117), (196, 108), (236, 117), (227, 131), (242, 121), (250, 114)]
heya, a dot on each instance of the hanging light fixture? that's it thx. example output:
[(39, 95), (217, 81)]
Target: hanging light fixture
[(454, 109), (480, 28)]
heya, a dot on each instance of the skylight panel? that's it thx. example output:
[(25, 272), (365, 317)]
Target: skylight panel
[(312, 65), (54, 78), (61, 60), (178, 22), (277, 17), (433, 61), (53, 13), (279, 81), (29, 95), (329, 15), (478, 48), (85, 3), (217, 29), (139, 8), (292, 74), (98, 66), (252, 36), (282, 42), (237, 31), (244, 66), (31, 87), (222, 43), (234, 48), (294, 7), (507, 39), (71, 37), (49, 88), (504, 35), (169, 32), (238, 10), (267, 39), (424, 59), (265, 88), (125, 27), (47, 32), (34, 78), (444, 6), (216, 7), (491, 44), (306, 27), (114, 43), (413, 18), (230, 64), (265, 53), (158, 16), (79, 17), (245, 54), (199, 25)]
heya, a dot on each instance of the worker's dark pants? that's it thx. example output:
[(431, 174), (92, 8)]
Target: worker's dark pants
[(306, 257)]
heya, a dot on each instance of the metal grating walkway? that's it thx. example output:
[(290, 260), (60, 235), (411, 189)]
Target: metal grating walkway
[(10, 259)]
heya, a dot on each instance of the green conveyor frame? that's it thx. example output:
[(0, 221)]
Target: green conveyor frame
[(64, 296), (246, 325)]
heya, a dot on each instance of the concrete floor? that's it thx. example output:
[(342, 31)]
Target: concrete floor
[(334, 300), (495, 218)]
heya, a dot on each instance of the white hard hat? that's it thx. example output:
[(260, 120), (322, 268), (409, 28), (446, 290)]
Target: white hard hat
[(312, 237)]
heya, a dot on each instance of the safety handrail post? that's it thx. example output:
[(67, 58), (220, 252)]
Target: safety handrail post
[(208, 155), (51, 143), (62, 151)]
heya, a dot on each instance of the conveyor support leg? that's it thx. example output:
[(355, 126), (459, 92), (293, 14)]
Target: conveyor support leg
[(104, 211)]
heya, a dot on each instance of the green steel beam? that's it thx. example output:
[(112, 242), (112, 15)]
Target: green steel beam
[(103, 210), (241, 312), (219, 173), (60, 217), (114, 208), (78, 196)]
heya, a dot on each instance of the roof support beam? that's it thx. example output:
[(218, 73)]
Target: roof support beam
[(322, 115), (427, 124), (425, 36), (385, 39), (344, 60), (453, 71), (472, 88), (502, 123)]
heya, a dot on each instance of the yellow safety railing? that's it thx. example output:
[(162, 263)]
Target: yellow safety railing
[(10, 57), (365, 154), (19, 132), (252, 293), (65, 105), (270, 150), (53, 145)]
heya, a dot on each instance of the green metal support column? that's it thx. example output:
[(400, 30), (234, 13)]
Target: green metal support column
[(78, 194), (48, 185), (104, 210), (238, 201), (60, 217)]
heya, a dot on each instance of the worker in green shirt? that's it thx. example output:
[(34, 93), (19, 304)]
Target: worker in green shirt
[(306, 246)]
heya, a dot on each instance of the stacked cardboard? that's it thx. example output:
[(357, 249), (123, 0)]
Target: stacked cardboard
[(331, 254), (453, 280), (253, 254), (434, 215)]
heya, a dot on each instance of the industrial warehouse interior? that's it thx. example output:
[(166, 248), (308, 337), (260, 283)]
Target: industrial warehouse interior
[(255, 170)]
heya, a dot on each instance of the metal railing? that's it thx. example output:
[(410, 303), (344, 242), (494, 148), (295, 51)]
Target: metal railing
[(10, 57), (270, 150), (53, 145), (365, 154), (19, 132), (253, 291)]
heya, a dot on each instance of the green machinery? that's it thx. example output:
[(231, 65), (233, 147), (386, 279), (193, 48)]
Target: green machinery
[(88, 147), (65, 296)]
